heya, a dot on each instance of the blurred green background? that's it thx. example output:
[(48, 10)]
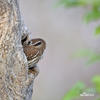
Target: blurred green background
[(71, 63), (93, 14)]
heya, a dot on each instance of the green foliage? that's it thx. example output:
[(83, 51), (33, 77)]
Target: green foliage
[(74, 92), (91, 56), (97, 32), (71, 3), (98, 99), (96, 81), (92, 15)]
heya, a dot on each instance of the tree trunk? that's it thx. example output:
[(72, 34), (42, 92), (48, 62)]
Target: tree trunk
[(15, 82)]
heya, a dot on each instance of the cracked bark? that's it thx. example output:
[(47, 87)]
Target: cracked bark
[(15, 82)]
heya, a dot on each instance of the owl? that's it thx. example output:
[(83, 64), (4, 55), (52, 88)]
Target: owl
[(33, 50)]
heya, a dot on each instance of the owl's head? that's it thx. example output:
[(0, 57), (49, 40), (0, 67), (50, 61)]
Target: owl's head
[(38, 44)]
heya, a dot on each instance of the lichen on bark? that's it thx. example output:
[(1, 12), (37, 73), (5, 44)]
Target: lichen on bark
[(15, 83)]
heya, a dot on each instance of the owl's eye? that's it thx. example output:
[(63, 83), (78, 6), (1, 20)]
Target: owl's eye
[(23, 40), (30, 43), (37, 43)]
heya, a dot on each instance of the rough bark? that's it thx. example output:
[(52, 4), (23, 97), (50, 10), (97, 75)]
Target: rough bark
[(15, 83)]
